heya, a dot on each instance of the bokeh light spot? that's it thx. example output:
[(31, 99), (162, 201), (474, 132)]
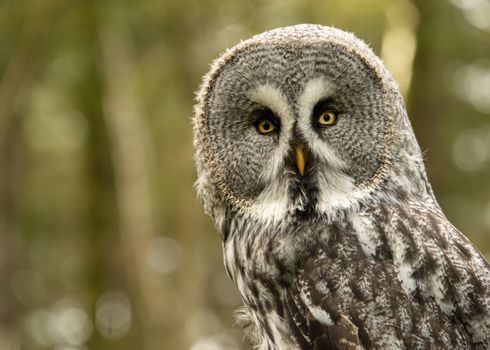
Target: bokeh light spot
[(202, 323), (222, 341), (69, 323), (476, 12), (472, 83), (164, 255), (469, 151), (113, 315), (36, 325)]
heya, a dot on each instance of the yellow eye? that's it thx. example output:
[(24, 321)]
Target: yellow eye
[(327, 118), (265, 126)]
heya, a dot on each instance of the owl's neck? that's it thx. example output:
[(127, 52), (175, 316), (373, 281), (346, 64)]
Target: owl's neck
[(406, 179), (272, 249)]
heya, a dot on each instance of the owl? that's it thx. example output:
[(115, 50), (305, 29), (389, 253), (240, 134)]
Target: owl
[(309, 167)]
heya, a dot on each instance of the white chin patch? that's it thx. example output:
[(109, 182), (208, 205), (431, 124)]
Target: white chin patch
[(336, 193), (272, 204)]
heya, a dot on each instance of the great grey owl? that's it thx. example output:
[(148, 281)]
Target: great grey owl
[(309, 167)]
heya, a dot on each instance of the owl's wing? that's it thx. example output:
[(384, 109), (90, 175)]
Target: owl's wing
[(426, 287)]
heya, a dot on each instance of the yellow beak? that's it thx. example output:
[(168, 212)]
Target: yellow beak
[(299, 158)]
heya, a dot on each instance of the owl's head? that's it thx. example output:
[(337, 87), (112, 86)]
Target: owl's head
[(299, 121)]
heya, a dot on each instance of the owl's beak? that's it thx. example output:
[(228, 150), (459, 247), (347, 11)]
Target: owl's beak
[(299, 158)]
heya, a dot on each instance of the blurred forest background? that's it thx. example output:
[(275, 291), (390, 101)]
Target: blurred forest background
[(102, 242)]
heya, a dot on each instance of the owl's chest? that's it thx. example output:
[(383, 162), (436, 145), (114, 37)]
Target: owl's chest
[(266, 263), (270, 253), (274, 267), (301, 287)]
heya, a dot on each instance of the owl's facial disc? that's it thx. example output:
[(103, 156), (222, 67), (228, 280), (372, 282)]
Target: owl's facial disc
[(292, 129)]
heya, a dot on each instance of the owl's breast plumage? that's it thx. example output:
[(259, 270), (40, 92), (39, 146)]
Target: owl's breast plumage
[(383, 279)]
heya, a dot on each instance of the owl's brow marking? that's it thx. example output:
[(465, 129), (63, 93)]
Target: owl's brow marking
[(271, 97), (314, 91)]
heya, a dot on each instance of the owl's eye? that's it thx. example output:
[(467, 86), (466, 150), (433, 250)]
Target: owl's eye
[(327, 118), (265, 126)]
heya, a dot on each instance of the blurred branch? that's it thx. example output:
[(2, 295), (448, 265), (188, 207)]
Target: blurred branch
[(131, 161), (24, 58), (14, 81), (15, 78), (400, 42)]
